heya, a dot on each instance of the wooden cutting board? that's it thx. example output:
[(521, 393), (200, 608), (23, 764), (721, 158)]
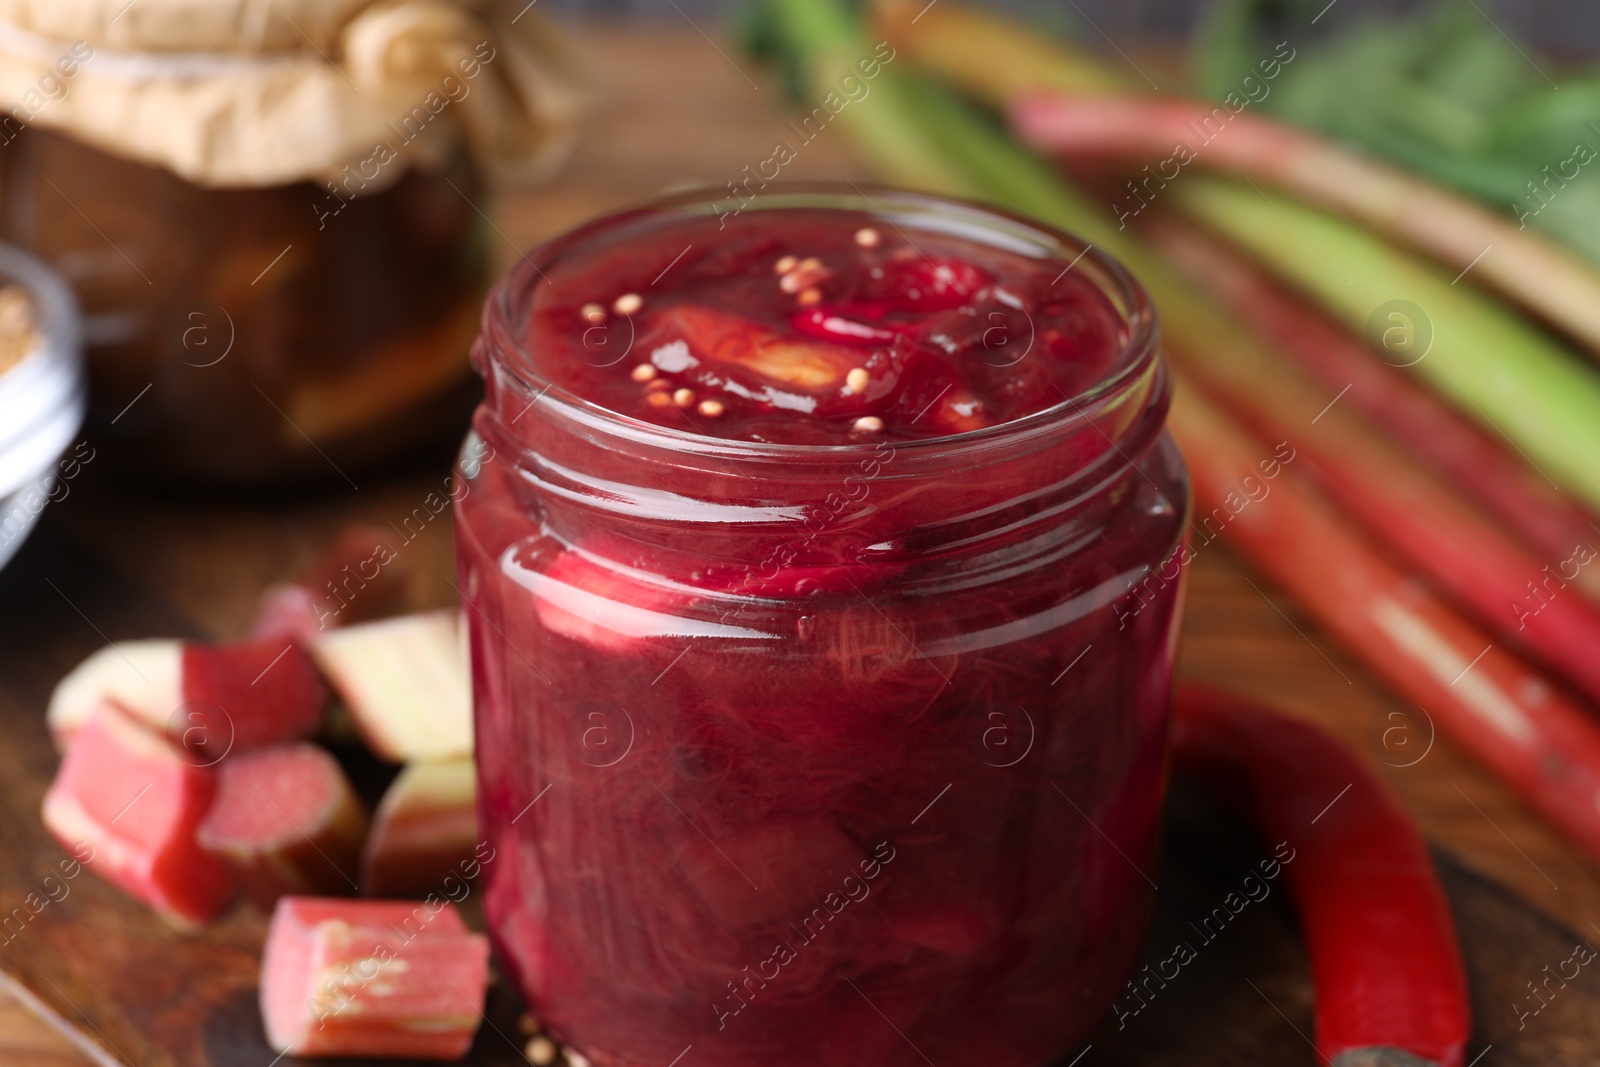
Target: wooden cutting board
[(129, 990)]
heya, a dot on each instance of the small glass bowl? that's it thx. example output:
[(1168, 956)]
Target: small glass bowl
[(42, 399)]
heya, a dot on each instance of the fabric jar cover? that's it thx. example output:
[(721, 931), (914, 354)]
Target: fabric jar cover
[(229, 93)]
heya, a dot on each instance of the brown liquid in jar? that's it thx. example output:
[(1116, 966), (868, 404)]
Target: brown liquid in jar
[(259, 335)]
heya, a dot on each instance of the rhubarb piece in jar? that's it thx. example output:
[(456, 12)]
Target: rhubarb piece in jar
[(136, 800), (345, 978), (286, 820), (822, 597)]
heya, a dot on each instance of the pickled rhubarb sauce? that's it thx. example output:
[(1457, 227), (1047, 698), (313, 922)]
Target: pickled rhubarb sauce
[(793, 755), (794, 329)]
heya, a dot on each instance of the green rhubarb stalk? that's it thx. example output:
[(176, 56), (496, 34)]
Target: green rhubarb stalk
[(1494, 706), (1460, 233), (1441, 534), (1452, 446), (1495, 365), (1444, 536), (964, 44), (917, 133), (996, 169), (827, 45), (993, 58)]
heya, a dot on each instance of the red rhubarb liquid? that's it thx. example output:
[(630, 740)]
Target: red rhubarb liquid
[(820, 705)]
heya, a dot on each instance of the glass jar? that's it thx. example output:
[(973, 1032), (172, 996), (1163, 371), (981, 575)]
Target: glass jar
[(269, 214), (242, 335), (894, 794)]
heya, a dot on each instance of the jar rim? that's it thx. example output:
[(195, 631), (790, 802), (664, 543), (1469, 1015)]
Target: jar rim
[(967, 218)]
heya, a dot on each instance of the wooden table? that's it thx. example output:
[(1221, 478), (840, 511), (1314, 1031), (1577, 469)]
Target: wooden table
[(676, 112)]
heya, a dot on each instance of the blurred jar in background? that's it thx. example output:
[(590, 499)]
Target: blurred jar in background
[(272, 212)]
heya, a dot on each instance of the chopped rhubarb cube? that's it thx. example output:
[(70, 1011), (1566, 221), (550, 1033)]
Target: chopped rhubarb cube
[(372, 978), (406, 683), (268, 691), (144, 678), (212, 698), (358, 578), (424, 831), (136, 799), (287, 821)]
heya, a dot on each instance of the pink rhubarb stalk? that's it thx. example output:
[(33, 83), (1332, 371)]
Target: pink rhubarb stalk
[(1440, 534), (1468, 458), (1390, 987), (1491, 703)]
